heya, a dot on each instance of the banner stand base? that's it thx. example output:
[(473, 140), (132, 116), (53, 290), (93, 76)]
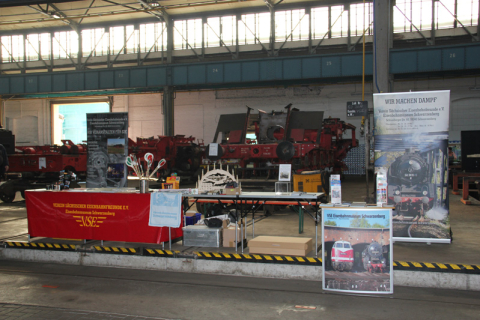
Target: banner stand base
[(424, 240)]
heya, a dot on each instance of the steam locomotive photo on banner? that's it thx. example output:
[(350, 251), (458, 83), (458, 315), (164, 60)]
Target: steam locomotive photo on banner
[(411, 142), (357, 250)]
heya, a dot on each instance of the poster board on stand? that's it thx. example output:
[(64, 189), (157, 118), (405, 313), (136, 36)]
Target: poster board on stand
[(357, 250), (107, 139), (411, 140)]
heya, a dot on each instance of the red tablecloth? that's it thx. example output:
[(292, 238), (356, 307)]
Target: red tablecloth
[(97, 216)]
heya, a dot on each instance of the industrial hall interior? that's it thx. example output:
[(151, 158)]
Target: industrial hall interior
[(273, 159)]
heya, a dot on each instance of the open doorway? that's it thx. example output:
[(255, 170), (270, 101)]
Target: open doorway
[(69, 120)]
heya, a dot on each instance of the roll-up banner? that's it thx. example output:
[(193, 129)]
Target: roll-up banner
[(411, 141), (107, 139), (357, 250)]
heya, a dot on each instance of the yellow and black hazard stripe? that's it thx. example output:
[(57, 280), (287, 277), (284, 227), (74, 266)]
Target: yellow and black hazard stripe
[(116, 250), (436, 267), (160, 253), (263, 258), (41, 246)]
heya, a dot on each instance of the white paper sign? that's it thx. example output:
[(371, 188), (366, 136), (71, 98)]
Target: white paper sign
[(411, 112), (165, 209), (284, 172), (42, 163), (213, 149)]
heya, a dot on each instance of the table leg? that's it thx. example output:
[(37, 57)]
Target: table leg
[(300, 219), (455, 184), (465, 192)]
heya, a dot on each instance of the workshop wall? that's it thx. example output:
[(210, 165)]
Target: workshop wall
[(197, 112), (29, 121)]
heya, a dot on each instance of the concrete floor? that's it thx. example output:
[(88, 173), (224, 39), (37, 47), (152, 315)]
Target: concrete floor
[(465, 223), (34, 290), (52, 291)]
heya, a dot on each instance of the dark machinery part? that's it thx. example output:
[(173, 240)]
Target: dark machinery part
[(372, 258), (410, 187), (285, 150)]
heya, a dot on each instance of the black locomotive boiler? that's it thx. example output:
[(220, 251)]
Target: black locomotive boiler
[(372, 258)]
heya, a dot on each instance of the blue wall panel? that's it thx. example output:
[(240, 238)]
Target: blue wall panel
[(17, 85), (453, 58), (76, 81), (59, 82), (271, 70), (45, 83), (197, 74), (180, 75), (233, 72), (403, 62), (106, 80), (429, 60), (122, 79), (472, 57), (156, 76), (368, 64), (352, 65), (311, 68), (138, 77), (4, 85), (250, 71), (214, 73), (31, 84), (292, 69), (331, 67), (92, 80)]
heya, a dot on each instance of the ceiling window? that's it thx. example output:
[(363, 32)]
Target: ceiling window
[(12, 48), (65, 44), (361, 18), (254, 28), (291, 25), (94, 42), (187, 34), (153, 37)]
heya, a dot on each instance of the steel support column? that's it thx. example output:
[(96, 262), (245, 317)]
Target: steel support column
[(168, 111), (169, 24), (381, 49)]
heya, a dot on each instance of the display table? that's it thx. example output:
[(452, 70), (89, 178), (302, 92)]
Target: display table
[(249, 202), (457, 175), (93, 215)]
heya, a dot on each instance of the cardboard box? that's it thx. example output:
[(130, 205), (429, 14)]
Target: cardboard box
[(289, 246), (229, 236), (233, 191)]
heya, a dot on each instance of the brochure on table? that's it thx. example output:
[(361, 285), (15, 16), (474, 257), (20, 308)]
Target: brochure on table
[(335, 189), (357, 250)]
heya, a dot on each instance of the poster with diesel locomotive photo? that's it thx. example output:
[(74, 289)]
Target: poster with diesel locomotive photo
[(411, 141), (107, 139), (357, 249)]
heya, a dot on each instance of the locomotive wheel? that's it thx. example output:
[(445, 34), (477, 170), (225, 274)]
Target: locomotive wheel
[(7, 198)]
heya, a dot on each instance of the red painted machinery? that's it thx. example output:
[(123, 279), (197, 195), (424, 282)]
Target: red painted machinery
[(182, 154), (304, 139), (42, 165), (34, 161)]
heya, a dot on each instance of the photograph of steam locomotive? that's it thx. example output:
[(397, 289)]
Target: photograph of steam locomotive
[(357, 250), (417, 179)]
